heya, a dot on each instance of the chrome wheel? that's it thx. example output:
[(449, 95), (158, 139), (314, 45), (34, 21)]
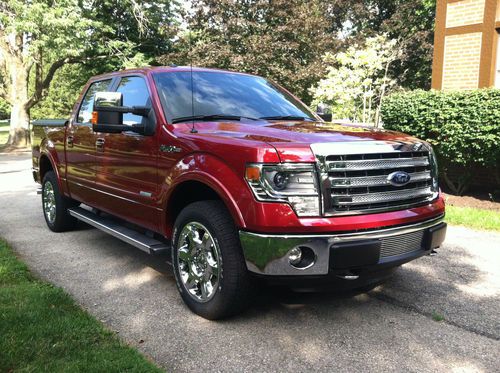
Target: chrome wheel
[(198, 260), (49, 202)]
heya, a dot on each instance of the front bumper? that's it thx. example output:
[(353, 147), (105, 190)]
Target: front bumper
[(267, 254)]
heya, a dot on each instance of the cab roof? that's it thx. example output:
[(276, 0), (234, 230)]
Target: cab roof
[(152, 69)]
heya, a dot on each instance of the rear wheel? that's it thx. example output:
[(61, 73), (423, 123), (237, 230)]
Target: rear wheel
[(209, 268), (55, 205)]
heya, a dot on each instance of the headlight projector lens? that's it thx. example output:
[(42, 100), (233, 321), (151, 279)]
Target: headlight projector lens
[(280, 180)]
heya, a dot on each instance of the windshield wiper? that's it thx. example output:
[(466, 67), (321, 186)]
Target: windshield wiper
[(285, 117), (210, 117)]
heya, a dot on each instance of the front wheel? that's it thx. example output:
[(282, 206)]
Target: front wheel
[(55, 205), (209, 267)]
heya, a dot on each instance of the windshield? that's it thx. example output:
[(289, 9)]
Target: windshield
[(222, 93)]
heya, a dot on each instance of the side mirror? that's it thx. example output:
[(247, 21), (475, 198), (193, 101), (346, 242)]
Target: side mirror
[(107, 115), (320, 111)]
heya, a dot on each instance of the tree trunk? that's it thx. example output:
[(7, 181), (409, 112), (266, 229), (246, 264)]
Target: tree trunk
[(19, 126), (19, 117)]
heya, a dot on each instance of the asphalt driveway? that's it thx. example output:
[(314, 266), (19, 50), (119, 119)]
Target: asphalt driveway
[(390, 329)]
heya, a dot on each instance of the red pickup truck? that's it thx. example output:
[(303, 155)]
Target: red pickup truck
[(238, 181)]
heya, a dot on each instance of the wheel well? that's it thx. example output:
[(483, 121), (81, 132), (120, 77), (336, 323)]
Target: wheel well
[(186, 193), (45, 166)]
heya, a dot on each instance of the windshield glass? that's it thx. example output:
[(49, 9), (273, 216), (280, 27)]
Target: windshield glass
[(222, 93)]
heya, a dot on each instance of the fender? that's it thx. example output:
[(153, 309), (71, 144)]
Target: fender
[(48, 149), (214, 173)]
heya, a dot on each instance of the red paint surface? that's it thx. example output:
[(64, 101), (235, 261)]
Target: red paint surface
[(112, 178)]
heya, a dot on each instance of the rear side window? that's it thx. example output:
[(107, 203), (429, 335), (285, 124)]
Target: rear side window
[(135, 93), (85, 112)]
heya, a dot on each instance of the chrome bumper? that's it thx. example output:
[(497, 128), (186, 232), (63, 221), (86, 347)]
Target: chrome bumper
[(267, 254)]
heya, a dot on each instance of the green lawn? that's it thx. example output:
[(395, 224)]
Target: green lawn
[(473, 218), (4, 136), (43, 330)]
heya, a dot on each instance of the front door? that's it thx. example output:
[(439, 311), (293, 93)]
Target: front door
[(127, 164), (80, 147)]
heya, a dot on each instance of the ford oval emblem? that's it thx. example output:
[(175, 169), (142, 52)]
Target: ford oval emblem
[(399, 178)]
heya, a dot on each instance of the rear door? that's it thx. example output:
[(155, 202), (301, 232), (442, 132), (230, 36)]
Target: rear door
[(80, 146), (126, 175)]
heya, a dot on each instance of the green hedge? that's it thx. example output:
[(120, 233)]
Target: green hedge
[(463, 127), (4, 110)]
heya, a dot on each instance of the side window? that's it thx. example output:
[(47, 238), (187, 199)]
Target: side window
[(85, 112), (135, 93)]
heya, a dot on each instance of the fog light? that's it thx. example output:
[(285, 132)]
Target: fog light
[(295, 256)]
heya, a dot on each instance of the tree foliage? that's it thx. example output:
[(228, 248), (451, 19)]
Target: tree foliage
[(39, 37), (285, 40), (4, 109), (281, 39), (411, 22), (59, 44), (357, 80)]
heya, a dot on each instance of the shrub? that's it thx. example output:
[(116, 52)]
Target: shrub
[(463, 127), (4, 110)]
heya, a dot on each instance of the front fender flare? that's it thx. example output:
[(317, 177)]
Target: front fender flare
[(214, 173)]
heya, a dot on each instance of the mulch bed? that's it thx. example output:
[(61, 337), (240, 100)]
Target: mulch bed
[(480, 200)]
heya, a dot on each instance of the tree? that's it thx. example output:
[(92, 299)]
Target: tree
[(38, 37), (280, 39), (4, 109), (358, 79), (411, 22)]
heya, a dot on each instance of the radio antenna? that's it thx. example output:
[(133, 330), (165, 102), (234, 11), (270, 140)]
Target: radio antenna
[(193, 130)]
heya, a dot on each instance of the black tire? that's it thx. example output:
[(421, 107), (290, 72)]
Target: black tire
[(62, 221), (234, 289)]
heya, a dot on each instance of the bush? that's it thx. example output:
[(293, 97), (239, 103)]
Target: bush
[(463, 127), (4, 110)]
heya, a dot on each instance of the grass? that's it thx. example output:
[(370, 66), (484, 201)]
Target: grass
[(473, 217), (437, 316), (4, 136), (43, 330), (4, 131)]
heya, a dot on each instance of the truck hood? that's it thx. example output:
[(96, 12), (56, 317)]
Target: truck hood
[(293, 139)]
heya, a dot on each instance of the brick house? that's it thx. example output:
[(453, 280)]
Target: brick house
[(466, 45)]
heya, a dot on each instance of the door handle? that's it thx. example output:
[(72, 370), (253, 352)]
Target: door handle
[(69, 141), (99, 144)]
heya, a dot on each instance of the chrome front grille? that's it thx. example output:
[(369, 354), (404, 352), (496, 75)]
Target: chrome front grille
[(401, 244), (357, 181), (341, 164)]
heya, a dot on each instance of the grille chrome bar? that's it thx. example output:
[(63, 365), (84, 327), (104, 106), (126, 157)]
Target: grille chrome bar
[(362, 199), (368, 181), (374, 164)]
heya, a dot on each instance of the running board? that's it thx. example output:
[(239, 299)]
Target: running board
[(130, 236)]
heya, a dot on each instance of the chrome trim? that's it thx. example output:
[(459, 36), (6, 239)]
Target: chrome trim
[(198, 262), (376, 164), (331, 184), (375, 180), (392, 196), (266, 254), (49, 202)]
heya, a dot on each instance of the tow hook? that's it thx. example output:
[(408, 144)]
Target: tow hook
[(433, 253)]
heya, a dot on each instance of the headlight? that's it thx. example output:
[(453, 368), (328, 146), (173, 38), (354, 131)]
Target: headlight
[(434, 169), (293, 183)]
